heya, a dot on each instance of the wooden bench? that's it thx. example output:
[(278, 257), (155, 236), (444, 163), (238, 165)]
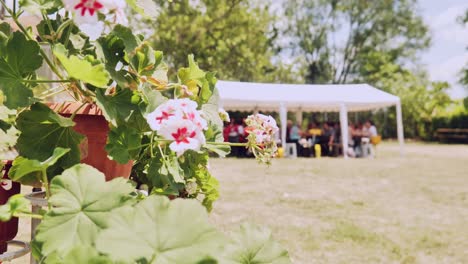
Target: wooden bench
[(452, 135)]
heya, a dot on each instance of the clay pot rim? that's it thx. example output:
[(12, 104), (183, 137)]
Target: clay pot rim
[(68, 108)]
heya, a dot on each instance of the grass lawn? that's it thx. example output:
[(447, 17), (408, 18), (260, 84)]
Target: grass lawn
[(330, 210)]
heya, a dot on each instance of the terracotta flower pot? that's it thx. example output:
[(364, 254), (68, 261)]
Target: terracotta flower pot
[(91, 123), (8, 230)]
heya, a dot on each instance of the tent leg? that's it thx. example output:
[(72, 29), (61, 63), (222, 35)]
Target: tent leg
[(299, 117), (400, 133), (344, 129), (283, 111)]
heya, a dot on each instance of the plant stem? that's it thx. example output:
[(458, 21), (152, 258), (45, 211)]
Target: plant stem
[(144, 145), (25, 32), (49, 25), (67, 37), (228, 144), (31, 215), (54, 93), (45, 181), (162, 153), (76, 111), (47, 81), (151, 145)]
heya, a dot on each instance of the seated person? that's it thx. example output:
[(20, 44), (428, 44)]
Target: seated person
[(368, 132), (327, 138)]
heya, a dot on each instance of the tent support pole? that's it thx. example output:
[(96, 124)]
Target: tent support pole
[(344, 129), (283, 111), (400, 133), (299, 117)]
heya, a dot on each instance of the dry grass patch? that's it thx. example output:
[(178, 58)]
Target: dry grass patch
[(330, 210)]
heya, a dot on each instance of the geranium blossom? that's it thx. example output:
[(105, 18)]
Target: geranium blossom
[(86, 11), (261, 139), (6, 184), (179, 120), (185, 135), (224, 115)]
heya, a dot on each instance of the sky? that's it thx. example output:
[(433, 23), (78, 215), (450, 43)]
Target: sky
[(448, 53)]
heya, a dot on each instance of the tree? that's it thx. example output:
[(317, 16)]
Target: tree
[(464, 73), (335, 36), (234, 37), (422, 100)]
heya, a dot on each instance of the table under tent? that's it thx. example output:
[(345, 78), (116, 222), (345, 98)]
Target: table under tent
[(342, 98)]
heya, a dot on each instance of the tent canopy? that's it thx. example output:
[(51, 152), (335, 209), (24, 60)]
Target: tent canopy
[(343, 98), (244, 96)]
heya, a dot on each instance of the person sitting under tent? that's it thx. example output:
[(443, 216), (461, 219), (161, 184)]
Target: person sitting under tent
[(327, 138), (369, 131)]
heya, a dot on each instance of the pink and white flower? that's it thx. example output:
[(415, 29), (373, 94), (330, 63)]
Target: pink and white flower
[(6, 184), (185, 135), (262, 126), (224, 115), (180, 121), (86, 11), (261, 138)]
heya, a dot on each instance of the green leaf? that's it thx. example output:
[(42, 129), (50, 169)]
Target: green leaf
[(153, 99), (5, 32), (211, 111), (253, 244), (159, 179), (79, 255), (143, 59), (23, 55), (35, 6), (29, 172), (220, 150), (173, 168), (207, 88), (146, 8), (16, 94), (118, 107), (161, 232), (193, 72), (123, 144), (43, 130), (81, 204), (15, 205), (110, 50), (88, 69), (65, 31), (131, 42), (19, 61), (195, 165), (8, 141)]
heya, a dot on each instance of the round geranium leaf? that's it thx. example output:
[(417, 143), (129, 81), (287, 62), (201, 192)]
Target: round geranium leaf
[(253, 244), (161, 232), (81, 204)]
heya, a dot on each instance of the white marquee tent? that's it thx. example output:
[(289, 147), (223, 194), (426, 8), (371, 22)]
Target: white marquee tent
[(344, 98)]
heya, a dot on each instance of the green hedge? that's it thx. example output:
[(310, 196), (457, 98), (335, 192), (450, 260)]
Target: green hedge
[(455, 121)]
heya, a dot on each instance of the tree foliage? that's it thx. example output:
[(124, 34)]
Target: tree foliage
[(234, 37), (375, 42), (422, 100), (335, 36), (464, 73)]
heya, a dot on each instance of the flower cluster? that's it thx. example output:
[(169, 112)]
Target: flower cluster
[(6, 184), (261, 139), (86, 11), (179, 120)]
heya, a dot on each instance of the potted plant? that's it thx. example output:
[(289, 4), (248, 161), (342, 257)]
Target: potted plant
[(8, 230), (159, 129)]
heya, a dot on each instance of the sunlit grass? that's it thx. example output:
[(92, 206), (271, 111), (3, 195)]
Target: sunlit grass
[(387, 210)]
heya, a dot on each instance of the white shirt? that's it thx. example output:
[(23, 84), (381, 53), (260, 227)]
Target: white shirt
[(373, 131)]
